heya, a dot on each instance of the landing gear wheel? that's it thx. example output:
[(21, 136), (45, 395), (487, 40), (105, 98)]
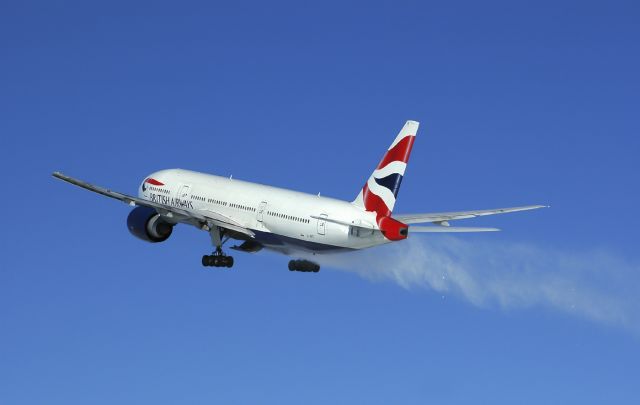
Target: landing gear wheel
[(304, 266), (217, 261)]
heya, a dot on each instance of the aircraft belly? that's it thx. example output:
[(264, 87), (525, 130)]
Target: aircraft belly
[(286, 244)]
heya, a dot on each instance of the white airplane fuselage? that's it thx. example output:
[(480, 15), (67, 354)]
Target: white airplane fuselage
[(283, 220)]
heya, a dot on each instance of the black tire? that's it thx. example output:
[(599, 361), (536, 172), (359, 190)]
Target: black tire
[(205, 261), (292, 265), (229, 261)]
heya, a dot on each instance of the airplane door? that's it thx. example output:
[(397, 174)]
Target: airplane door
[(183, 194), (261, 209), (322, 224)]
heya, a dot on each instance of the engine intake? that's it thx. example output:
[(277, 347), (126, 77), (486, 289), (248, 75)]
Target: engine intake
[(146, 224)]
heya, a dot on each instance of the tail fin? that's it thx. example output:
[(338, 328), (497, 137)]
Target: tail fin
[(381, 190)]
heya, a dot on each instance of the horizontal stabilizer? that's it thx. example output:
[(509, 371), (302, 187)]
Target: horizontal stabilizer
[(442, 229)]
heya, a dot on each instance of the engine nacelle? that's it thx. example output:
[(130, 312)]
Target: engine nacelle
[(146, 224)]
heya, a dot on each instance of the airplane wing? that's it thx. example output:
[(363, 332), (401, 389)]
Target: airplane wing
[(212, 218), (442, 218)]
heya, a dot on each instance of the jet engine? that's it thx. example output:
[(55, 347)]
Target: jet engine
[(146, 224)]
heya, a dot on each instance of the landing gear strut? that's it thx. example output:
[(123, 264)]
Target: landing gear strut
[(304, 266), (217, 258)]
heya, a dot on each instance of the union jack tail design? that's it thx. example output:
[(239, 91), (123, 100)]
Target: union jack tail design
[(381, 190)]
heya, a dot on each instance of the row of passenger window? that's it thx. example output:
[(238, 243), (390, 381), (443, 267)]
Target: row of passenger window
[(251, 209), (289, 217), (159, 190), (223, 203), (242, 207), (219, 202)]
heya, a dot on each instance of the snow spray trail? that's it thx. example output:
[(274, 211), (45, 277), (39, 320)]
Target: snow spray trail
[(596, 284)]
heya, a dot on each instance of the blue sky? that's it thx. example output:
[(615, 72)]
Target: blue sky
[(520, 102)]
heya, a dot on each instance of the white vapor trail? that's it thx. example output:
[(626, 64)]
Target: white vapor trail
[(596, 285)]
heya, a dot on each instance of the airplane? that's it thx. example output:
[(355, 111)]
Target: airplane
[(296, 224)]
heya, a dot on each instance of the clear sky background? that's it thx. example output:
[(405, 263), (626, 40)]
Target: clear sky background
[(520, 103)]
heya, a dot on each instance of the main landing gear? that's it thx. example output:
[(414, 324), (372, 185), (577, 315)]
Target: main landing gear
[(218, 258), (304, 266)]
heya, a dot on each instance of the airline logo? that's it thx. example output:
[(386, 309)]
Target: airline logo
[(381, 190), (151, 181), (160, 198)]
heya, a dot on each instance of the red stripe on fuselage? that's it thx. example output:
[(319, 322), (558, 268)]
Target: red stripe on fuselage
[(400, 152)]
